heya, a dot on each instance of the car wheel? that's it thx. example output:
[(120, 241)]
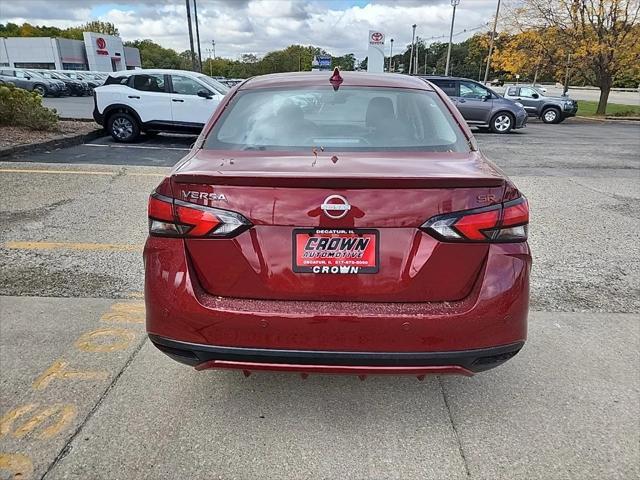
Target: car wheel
[(551, 115), (40, 90), (123, 127), (502, 123)]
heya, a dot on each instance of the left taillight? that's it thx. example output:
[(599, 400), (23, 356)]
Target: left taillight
[(174, 218), (506, 222)]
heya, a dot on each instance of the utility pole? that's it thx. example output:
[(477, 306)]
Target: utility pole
[(417, 56), (566, 76), (493, 36), (413, 39), (390, 56), (213, 45), (195, 15), (426, 51), (193, 53), (454, 4)]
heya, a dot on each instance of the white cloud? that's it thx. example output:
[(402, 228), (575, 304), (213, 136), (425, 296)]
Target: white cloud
[(259, 26)]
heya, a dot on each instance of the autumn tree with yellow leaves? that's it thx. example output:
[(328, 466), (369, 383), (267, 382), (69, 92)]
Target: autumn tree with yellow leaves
[(601, 36)]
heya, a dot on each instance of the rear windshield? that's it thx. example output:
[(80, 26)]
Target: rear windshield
[(349, 119)]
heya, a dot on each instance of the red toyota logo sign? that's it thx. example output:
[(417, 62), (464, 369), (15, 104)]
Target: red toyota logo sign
[(377, 37), (102, 44)]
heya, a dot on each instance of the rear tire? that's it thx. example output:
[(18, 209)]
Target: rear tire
[(123, 127), (502, 122), (551, 115)]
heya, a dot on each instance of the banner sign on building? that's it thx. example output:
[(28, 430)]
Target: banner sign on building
[(375, 54)]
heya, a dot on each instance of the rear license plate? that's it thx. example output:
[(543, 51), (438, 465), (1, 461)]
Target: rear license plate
[(341, 251)]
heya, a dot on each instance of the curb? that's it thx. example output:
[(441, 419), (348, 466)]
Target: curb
[(6, 152), (609, 119)]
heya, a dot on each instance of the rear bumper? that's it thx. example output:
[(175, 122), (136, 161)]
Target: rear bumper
[(97, 116), (335, 334), (465, 362)]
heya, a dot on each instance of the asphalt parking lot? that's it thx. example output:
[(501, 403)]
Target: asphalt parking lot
[(85, 395)]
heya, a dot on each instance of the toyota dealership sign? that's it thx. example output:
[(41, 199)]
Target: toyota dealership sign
[(376, 38), (375, 54)]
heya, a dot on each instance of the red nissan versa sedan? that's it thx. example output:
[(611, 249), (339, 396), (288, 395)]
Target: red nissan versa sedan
[(341, 223)]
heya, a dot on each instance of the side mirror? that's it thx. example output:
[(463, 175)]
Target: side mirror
[(487, 97), (27, 77), (205, 94), (535, 95)]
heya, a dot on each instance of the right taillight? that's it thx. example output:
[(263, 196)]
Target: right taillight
[(174, 218), (506, 222)]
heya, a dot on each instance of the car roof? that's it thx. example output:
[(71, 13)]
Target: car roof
[(143, 71), (314, 79)]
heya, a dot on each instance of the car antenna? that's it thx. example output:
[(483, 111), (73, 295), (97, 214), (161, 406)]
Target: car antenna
[(336, 79)]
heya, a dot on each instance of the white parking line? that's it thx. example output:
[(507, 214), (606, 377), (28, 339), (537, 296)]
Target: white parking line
[(134, 146)]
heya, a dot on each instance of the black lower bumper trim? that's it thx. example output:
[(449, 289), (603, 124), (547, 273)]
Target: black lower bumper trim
[(476, 360)]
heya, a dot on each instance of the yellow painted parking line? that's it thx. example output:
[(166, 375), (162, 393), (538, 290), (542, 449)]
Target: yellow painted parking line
[(78, 172), (113, 247)]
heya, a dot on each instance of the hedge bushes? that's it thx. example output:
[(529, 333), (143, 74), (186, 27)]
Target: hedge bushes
[(19, 107)]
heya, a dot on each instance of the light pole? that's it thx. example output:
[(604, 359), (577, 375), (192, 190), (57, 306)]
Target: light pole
[(454, 4), (493, 36), (213, 46), (413, 39), (209, 51), (390, 56), (566, 76), (193, 53)]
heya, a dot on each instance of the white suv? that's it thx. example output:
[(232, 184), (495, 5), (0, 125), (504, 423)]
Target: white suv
[(151, 101)]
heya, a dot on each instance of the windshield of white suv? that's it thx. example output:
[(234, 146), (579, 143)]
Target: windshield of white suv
[(216, 85), (350, 119)]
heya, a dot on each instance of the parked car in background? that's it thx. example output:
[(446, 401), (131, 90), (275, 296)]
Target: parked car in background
[(32, 81), (231, 82), (397, 249), (92, 79), (480, 106), (538, 104), (497, 82), (151, 101), (74, 87)]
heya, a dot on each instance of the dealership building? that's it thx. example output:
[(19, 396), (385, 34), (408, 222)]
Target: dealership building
[(97, 52)]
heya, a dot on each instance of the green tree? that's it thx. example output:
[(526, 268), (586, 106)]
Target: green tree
[(97, 26), (346, 62), (155, 56)]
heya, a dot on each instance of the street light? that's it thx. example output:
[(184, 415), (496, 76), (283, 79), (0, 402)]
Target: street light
[(454, 4), (413, 39), (390, 56)]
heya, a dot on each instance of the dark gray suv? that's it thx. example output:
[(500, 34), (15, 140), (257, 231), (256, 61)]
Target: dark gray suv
[(480, 106), (538, 104)]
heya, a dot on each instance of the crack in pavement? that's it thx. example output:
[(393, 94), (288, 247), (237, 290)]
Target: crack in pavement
[(66, 449), (454, 428)]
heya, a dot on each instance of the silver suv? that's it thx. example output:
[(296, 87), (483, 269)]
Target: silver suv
[(538, 104)]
